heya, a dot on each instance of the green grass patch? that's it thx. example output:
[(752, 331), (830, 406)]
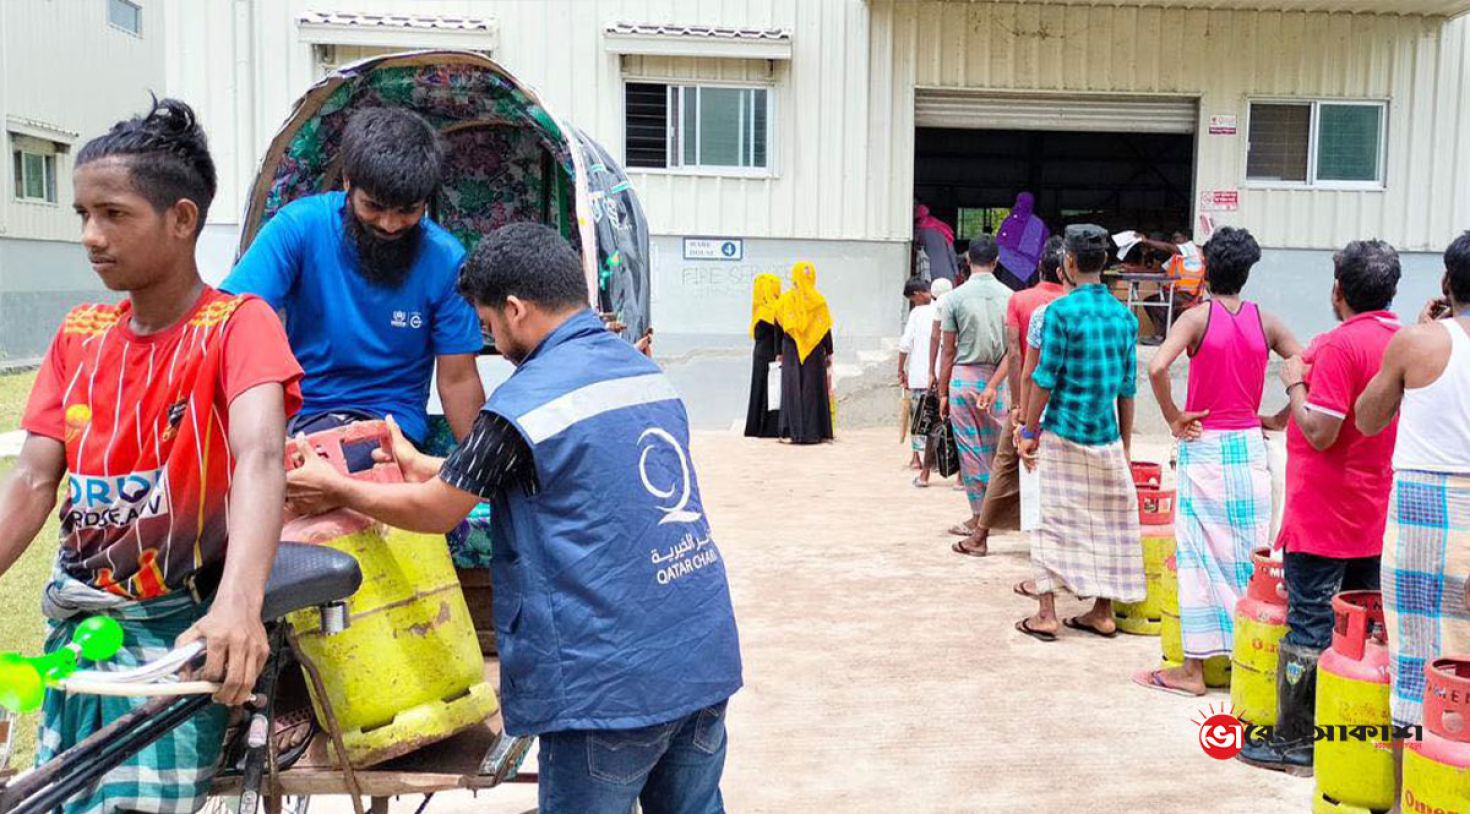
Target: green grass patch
[(21, 626), (15, 388)]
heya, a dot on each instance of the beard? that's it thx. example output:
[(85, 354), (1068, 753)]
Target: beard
[(382, 262)]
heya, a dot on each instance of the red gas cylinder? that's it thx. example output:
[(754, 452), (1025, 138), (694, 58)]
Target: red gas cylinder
[(1437, 768), (1156, 518), (1260, 622), (1147, 475), (1352, 696)]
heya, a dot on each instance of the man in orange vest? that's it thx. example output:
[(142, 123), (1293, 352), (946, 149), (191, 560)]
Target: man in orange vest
[(1185, 266)]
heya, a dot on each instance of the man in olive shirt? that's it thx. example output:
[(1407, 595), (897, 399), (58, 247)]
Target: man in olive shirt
[(972, 372)]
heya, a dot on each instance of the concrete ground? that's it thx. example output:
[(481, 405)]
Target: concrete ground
[(883, 674)]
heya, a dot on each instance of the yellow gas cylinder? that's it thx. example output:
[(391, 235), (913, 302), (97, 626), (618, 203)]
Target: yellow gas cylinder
[(1354, 774), (1437, 756), (408, 670), (1156, 522), (1260, 622), (1171, 638)]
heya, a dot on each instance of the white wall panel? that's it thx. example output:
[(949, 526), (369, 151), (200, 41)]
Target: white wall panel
[(62, 64)]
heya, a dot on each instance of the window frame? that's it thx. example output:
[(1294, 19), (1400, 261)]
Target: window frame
[(673, 139), (1380, 184), (137, 7), (50, 195)]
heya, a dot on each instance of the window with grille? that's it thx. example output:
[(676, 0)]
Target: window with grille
[(1327, 144), (714, 127)]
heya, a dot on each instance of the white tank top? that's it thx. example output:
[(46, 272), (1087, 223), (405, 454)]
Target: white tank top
[(1434, 421)]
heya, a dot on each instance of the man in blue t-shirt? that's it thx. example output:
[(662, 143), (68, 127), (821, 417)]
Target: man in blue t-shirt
[(367, 282)]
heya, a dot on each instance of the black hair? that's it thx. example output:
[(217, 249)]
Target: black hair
[(1135, 254), (166, 153), (1367, 273), (1090, 261), (527, 260), (393, 155), (914, 286), (1228, 259), (1051, 260), (983, 251), (1457, 270)]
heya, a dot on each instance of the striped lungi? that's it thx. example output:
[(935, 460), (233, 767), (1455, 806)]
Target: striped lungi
[(173, 774), (976, 431), (1088, 542), (1426, 557), (1224, 515)]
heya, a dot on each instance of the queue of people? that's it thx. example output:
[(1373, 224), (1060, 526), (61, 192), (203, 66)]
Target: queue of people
[(1378, 455)]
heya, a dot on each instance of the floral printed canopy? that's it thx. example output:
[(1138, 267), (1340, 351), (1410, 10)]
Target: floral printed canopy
[(509, 160)]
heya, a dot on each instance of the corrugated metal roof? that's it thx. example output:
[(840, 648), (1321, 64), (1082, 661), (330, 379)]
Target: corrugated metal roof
[(1447, 8), (419, 21), (699, 31)]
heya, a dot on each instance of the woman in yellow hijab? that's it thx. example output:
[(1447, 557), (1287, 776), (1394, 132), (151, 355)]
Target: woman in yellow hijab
[(806, 356), (761, 420)]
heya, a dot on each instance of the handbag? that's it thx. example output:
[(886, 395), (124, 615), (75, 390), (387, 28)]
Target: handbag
[(926, 414), (773, 386), (946, 451)]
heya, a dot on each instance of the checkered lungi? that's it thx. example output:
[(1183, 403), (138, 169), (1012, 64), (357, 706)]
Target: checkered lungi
[(976, 431), (1426, 558), (1088, 542), (173, 774), (1224, 515)]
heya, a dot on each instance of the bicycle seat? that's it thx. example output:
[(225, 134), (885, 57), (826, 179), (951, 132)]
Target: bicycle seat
[(305, 576)]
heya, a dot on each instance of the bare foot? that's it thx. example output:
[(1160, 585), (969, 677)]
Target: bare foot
[(1101, 622), (1044, 624)]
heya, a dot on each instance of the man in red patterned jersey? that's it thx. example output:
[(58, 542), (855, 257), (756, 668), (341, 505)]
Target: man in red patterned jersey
[(166, 415)]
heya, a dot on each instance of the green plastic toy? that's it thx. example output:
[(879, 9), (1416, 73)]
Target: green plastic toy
[(23, 679)]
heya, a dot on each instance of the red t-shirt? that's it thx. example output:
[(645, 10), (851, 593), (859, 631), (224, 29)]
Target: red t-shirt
[(1023, 304), (1337, 499), (145, 421)]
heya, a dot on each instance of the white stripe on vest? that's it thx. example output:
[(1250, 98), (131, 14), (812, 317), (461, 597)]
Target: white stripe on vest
[(562, 412)]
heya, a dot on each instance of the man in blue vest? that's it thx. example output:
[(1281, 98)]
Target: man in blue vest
[(612, 612)]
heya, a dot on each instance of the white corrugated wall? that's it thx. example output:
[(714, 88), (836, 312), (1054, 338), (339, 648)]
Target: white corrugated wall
[(1224, 58), (242, 63), (62, 64)]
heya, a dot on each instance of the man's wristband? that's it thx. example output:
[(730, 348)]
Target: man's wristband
[(1029, 435), (1294, 384)]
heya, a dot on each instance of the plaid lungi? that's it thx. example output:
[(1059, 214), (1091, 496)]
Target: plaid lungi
[(1224, 515), (976, 431), (1088, 542), (173, 774), (1426, 557)]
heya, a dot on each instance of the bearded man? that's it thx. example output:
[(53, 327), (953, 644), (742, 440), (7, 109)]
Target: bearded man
[(367, 283)]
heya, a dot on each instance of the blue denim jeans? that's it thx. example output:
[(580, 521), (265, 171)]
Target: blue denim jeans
[(1311, 582), (670, 768)]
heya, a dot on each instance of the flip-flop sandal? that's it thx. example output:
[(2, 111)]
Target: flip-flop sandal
[(1020, 588), (918, 484), (1154, 680), (960, 548), (1039, 635), (961, 530), (1075, 623)]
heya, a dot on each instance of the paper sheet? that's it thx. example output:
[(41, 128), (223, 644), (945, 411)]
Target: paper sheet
[(773, 386), (1030, 498)]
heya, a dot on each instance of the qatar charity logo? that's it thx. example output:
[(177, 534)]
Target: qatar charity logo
[(1221, 734), (680, 490)]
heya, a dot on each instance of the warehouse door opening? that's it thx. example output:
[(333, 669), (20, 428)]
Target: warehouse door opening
[(1120, 162)]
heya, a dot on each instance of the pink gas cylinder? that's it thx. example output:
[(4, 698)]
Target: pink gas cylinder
[(1437, 767)]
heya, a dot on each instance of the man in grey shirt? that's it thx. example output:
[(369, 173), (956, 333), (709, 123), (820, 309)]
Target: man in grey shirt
[(972, 373)]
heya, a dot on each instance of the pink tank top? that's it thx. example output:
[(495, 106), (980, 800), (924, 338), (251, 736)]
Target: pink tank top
[(1227, 373)]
